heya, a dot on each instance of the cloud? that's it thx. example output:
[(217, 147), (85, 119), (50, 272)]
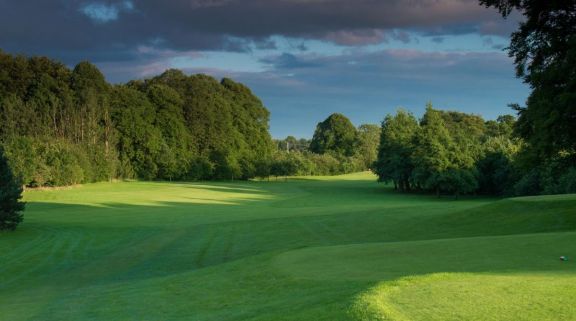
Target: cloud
[(103, 13), (92, 30), (356, 37)]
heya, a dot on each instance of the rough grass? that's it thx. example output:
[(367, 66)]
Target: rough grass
[(338, 248)]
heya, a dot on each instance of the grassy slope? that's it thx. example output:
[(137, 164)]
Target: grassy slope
[(324, 249)]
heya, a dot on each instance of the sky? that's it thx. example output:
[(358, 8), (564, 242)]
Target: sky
[(305, 59)]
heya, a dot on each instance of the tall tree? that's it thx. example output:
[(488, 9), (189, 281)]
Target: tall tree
[(368, 140), (140, 142), (432, 154), (395, 153), (544, 51), (335, 134), (175, 150), (10, 195), (94, 128)]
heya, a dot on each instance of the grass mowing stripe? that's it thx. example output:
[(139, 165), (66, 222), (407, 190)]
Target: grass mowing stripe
[(209, 251)]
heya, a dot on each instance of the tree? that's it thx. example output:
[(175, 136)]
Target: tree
[(457, 181), (395, 160), (544, 51), (175, 151), (291, 143), (10, 195), (336, 134), (502, 126), (432, 153), (140, 142), (495, 166), (281, 166), (368, 140), (262, 168)]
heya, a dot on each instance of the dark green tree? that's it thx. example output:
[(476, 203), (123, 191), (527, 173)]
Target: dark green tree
[(432, 153), (94, 129), (335, 134), (175, 148), (395, 160), (10, 195), (544, 51), (140, 141)]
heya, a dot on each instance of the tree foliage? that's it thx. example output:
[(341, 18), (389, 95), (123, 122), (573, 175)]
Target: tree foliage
[(447, 152), (544, 51), (10, 195), (367, 147), (335, 134), (337, 148), (397, 144), (62, 126)]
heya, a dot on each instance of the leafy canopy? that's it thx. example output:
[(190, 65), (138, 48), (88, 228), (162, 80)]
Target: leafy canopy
[(335, 134), (544, 51)]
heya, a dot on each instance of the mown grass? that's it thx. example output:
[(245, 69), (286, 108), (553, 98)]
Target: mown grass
[(337, 248)]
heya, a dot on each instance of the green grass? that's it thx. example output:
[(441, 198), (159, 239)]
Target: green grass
[(332, 248)]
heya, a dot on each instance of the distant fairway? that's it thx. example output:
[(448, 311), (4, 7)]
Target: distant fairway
[(336, 248)]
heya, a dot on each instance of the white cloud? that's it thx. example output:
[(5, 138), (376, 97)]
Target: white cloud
[(103, 13)]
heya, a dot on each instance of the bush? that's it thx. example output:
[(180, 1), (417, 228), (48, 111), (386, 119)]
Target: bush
[(200, 168), (529, 184)]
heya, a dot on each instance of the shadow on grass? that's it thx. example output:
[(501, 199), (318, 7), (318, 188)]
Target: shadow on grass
[(116, 241)]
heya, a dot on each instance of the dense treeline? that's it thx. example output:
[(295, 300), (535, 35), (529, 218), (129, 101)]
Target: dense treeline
[(62, 126), (456, 153), (336, 148)]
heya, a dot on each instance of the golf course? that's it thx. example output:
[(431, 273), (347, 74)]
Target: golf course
[(324, 248)]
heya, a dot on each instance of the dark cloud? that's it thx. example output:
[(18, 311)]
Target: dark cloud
[(138, 38), (97, 29)]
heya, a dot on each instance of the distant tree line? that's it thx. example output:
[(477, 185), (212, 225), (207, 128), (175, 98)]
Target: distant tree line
[(336, 148), (62, 126)]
